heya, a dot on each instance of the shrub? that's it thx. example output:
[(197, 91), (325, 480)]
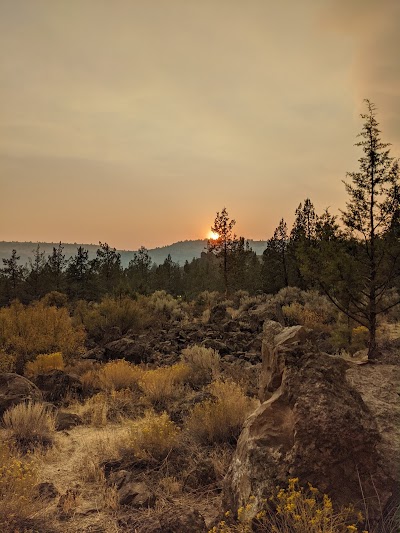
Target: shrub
[(109, 406), (359, 338), (44, 363), (220, 420), (37, 329), (100, 319), (163, 384), (30, 424), (119, 375), (291, 510), (7, 362), (17, 490), (164, 304), (95, 410), (154, 436), (203, 363)]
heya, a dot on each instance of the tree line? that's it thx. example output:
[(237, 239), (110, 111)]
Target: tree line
[(353, 260)]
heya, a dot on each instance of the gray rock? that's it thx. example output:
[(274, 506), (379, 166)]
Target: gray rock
[(15, 389), (317, 426)]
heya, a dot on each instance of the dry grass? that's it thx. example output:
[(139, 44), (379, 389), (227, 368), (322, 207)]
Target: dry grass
[(204, 364), (220, 420), (30, 424), (112, 406)]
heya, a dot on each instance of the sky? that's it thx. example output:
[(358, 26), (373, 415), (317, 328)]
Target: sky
[(133, 122)]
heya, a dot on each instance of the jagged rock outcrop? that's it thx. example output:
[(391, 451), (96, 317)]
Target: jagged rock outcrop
[(56, 385), (315, 425), (15, 389)]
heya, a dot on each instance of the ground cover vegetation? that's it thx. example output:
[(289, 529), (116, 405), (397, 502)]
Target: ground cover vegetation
[(146, 375)]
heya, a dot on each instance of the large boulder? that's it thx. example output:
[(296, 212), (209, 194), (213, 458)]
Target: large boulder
[(126, 348), (57, 385), (15, 389), (314, 425)]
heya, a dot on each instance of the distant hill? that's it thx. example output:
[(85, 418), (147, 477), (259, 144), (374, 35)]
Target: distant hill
[(179, 251)]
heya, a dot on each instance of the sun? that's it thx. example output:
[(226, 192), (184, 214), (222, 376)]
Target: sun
[(212, 235)]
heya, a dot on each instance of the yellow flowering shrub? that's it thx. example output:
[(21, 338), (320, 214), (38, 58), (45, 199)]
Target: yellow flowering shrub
[(17, 482), (44, 363), (294, 509), (154, 436)]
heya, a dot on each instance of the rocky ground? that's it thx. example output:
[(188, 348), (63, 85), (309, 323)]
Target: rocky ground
[(331, 422)]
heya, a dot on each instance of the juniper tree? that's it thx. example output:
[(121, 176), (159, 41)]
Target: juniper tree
[(358, 272), (225, 244)]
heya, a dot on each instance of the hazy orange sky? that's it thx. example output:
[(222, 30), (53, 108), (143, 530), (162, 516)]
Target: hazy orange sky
[(133, 121)]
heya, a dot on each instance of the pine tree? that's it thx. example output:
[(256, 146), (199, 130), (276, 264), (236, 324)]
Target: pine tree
[(55, 266), (36, 283), (13, 275), (275, 274), (225, 244), (373, 202), (138, 271)]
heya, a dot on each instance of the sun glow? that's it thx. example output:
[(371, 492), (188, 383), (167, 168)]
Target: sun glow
[(212, 235)]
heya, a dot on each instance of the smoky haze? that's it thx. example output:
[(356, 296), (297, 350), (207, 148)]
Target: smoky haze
[(134, 122)]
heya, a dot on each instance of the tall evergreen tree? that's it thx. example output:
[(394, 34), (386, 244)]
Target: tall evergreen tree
[(275, 268), (302, 235), (139, 270), (357, 271), (224, 245), (79, 275), (13, 275), (107, 264), (35, 281), (54, 269), (374, 200)]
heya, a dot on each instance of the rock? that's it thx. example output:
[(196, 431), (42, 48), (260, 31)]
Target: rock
[(131, 492), (126, 348), (216, 345), (181, 409), (182, 520), (15, 389), (218, 314), (379, 387), (66, 420), (57, 385), (96, 354), (274, 337), (47, 491), (316, 426), (136, 494)]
